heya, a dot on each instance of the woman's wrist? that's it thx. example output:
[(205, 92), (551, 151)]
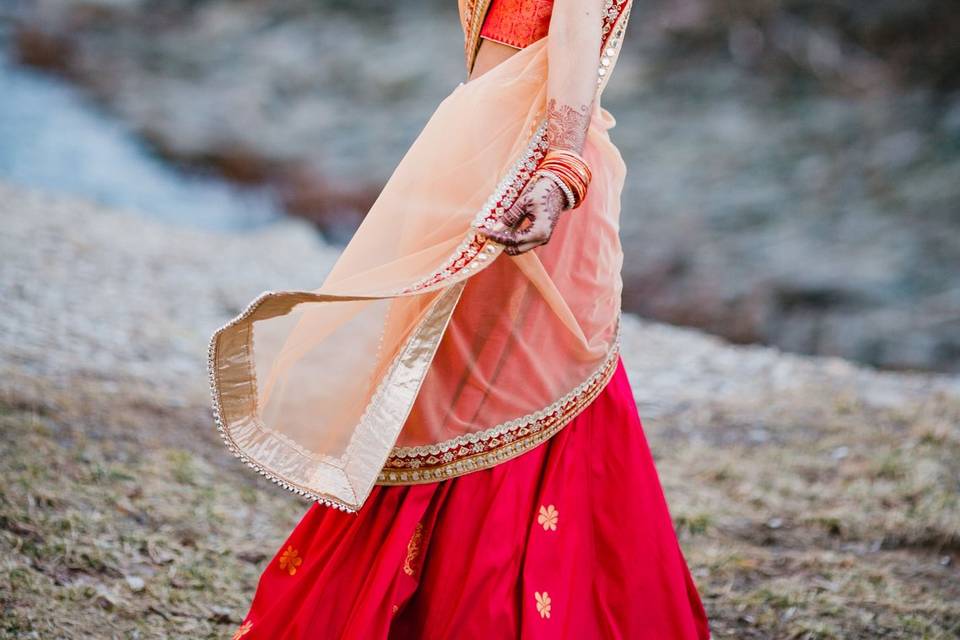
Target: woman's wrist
[(568, 196), (570, 171)]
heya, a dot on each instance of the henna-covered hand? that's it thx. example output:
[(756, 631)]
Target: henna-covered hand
[(530, 221)]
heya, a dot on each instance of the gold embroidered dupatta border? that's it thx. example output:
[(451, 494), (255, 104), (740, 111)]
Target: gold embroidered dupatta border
[(472, 14), (283, 461), (484, 449), (384, 417), (230, 361)]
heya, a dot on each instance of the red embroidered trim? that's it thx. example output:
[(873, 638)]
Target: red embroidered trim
[(520, 21), (475, 451), (515, 45)]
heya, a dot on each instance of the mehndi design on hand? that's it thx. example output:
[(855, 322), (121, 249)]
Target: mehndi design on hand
[(540, 204), (542, 201), (567, 125)]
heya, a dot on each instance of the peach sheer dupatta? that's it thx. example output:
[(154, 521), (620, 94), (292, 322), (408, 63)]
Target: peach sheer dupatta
[(426, 353)]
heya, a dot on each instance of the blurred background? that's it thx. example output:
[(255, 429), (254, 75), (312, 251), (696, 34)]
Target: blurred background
[(791, 225), (794, 166)]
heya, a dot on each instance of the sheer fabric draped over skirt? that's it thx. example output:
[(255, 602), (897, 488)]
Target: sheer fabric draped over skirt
[(404, 366)]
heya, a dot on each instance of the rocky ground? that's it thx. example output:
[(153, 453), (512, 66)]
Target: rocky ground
[(794, 168), (813, 498)]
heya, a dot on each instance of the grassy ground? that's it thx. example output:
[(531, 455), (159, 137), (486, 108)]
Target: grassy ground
[(123, 518), (113, 526), (842, 522)]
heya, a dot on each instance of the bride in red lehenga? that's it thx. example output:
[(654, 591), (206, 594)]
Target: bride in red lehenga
[(452, 396)]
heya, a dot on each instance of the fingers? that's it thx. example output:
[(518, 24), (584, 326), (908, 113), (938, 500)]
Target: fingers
[(516, 243), (515, 213), (515, 240), (526, 240), (506, 237), (504, 229), (514, 237), (496, 227), (523, 247)]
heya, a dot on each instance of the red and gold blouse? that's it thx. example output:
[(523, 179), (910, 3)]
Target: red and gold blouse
[(517, 23)]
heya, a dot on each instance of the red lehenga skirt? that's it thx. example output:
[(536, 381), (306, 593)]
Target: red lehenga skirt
[(570, 540)]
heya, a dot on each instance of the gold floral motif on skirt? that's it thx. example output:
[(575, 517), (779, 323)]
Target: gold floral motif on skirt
[(548, 517), (290, 560), (543, 603), (413, 548)]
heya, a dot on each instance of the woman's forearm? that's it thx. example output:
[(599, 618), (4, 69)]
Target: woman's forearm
[(573, 50), (562, 176)]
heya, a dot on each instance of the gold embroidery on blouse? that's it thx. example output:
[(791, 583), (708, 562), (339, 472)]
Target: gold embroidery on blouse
[(413, 548), (543, 604), (613, 20), (242, 630), (290, 560), (548, 517)]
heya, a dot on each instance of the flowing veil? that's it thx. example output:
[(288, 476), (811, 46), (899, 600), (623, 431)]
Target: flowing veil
[(427, 352)]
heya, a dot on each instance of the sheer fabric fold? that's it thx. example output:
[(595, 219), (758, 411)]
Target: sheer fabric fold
[(427, 352)]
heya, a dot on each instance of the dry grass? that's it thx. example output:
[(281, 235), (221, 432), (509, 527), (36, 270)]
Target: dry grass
[(826, 519), (104, 535), (123, 518)]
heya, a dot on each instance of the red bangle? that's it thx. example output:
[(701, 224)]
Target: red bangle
[(571, 168)]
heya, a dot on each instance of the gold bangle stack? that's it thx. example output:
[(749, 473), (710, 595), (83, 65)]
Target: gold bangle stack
[(570, 167)]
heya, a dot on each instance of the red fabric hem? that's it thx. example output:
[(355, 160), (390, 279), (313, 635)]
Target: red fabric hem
[(517, 23), (509, 44)]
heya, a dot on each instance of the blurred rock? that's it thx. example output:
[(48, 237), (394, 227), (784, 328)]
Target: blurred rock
[(39, 49), (107, 296)]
